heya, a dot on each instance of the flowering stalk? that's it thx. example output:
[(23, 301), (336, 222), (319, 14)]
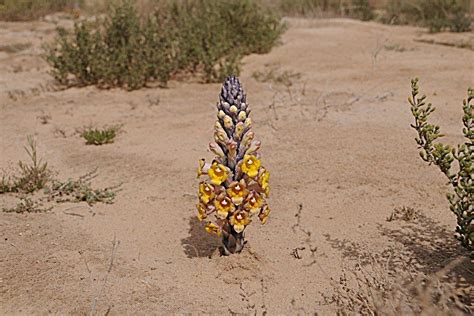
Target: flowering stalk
[(235, 187)]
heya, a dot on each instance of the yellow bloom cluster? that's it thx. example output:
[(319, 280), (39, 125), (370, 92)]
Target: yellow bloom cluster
[(236, 184), (231, 200)]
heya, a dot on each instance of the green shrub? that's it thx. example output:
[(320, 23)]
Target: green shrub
[(436, 15), (442, 155), (203, 37), (25, 10), (106, 53)]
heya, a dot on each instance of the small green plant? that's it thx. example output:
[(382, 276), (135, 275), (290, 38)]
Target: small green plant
[(95, 136), (81, 190), (27, 205), (236, 186), (32, 177), (436, 15), (443, 155), (25, 10), (204, 37)]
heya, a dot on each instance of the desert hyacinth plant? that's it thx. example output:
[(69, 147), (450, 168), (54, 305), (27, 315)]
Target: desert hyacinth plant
[(235, 187), (461, 178)]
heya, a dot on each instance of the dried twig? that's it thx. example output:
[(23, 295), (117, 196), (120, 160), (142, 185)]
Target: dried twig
[(115, 244)]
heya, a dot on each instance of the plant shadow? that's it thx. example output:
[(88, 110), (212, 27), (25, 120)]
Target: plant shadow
[(199, 244)]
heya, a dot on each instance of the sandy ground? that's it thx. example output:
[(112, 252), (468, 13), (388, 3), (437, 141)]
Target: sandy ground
[(337, 143)]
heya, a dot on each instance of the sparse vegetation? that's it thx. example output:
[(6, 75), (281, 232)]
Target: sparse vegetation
[(27, 205), (358, 9), (95, 136), (370, 290), (437, 15), (32, 177), (14, 48), (25, 10), (273, 75), (404, 213), (443, 155), (81, 190), (36, 176), (459, 44), (395, 47), (127, 50), (44, 118)]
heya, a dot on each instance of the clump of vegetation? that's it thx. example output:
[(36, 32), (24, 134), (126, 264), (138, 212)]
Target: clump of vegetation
[(236, 187), (81, 190), (26, 10), (443, 155), (95, 136), (437, 15), (203, 37), (27, 205), (404, 213), (32, 177), (358, 9)]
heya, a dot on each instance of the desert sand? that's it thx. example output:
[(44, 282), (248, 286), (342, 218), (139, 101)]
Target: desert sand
[(338, 145)]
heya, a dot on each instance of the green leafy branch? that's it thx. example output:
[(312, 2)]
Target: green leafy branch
[(443, 156)]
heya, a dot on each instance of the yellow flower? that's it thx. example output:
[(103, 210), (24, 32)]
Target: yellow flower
[(250, 165), (253, 203), (217, 173), (237, 191), (213, 229), (206, 192), (223, 205), (263, 181), (201, 211), (239, 220), (264, 214)]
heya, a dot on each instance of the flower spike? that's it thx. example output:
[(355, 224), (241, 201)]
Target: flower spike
[(236, 183)]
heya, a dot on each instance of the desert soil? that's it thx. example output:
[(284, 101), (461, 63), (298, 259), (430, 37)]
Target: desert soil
[(338, 144)]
